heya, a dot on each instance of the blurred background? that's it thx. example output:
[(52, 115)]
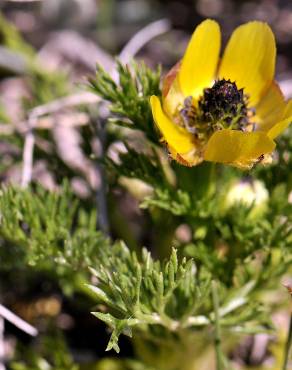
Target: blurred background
[(66, 38), (69, 32)]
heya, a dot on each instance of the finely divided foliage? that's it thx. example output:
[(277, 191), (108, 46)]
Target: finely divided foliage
[(130, 97), (140, 293)]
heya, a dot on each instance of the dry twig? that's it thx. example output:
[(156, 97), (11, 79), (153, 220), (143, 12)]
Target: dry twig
[(17, 321), (142, 37), (27, 156), (2, 344)]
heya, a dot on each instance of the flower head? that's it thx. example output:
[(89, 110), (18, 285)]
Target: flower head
[(226, 110)]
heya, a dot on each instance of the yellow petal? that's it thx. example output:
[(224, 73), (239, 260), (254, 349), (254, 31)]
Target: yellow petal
[(249, 59), (178, 138), (271, 108), (174, 99), (279, 127), (200, 61), (192, 158), (169, 79), (241, 149)]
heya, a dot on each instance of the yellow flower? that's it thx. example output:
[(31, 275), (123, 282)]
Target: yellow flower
[(226, 110)]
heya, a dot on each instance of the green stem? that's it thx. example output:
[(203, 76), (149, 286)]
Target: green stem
[(217, 342), (212, 180), (288, 346)]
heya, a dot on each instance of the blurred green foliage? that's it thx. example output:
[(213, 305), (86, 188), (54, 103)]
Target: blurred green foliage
[(52, 233), (54, 356)]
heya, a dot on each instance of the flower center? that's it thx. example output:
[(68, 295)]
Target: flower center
[(221, 106)]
